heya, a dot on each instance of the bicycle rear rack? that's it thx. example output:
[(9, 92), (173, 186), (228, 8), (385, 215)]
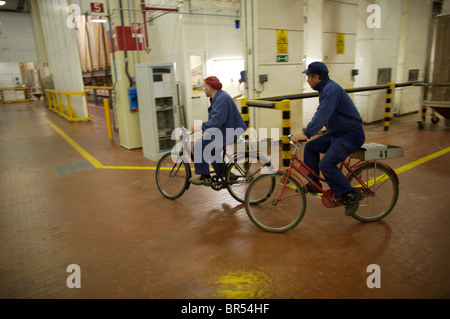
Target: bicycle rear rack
[(375, 151)]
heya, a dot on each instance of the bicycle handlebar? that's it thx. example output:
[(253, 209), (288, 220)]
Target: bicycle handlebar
[(295, 144)]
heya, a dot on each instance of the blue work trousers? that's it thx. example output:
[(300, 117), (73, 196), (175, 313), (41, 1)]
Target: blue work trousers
[(336, 149), (208, 150)]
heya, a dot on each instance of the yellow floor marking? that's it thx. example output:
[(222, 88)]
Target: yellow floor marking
[(422, 160), (69, 140), (97, 164), (85, 154), (243, 284), (133, 167)]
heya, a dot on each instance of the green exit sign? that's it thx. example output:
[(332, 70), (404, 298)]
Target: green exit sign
[(282, 58)]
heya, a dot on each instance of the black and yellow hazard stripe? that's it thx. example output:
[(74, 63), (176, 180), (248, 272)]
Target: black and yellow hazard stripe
[(387, 112), (244, 112), (424, 113), (27, 94), (285, 107)]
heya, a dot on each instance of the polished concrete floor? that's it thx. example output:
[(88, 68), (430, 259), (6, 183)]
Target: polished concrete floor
[(69, 196)]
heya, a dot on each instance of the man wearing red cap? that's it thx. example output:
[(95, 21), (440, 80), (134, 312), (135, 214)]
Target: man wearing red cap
[(225, 121)]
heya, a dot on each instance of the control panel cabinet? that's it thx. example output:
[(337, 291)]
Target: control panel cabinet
[(158, 107)]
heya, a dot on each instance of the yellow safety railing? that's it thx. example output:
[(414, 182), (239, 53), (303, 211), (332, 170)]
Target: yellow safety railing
[(92, 90), (282, 103), (285, 107), (99, 87), (55, 101), (26, 94)]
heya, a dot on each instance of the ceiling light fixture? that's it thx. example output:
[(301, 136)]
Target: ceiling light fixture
[(99, 20)]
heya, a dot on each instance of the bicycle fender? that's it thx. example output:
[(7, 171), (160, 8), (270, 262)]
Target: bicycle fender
[(189, 176)]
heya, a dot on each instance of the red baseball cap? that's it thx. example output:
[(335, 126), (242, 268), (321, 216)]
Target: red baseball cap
[(213, 82)]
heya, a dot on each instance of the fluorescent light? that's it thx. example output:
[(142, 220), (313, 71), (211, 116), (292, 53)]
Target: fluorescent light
[(2, 3), (99, 20)]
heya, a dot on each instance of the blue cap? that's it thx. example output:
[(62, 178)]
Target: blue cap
[(318, 68)]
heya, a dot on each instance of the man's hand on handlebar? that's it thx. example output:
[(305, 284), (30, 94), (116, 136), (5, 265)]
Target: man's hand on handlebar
[(299, 138), (195, 128)]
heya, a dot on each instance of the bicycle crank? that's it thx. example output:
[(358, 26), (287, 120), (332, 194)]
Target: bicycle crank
[(217, 183)]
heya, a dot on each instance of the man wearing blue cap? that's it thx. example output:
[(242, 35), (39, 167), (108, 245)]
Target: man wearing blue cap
[(344, 135)]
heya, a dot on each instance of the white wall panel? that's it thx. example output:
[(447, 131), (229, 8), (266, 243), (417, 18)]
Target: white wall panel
[(339, 17), (9, 71), (281, 14), (266, 18), (17, 43)]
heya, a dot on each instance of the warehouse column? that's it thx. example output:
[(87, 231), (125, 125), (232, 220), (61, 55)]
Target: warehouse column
[(123, 55)]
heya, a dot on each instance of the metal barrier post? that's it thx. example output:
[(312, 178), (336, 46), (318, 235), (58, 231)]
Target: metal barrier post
[(108, 119), (71, 113), (424, 115), (387, 113), (87, 104), (60, 104), (244, 112), (285, 107)]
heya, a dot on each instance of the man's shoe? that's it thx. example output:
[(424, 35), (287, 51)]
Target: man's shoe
[(201, 180), (313, 189), (351, 202)]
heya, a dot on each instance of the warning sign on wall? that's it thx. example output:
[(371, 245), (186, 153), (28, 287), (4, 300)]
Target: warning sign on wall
[(282, 46), (340, 43)]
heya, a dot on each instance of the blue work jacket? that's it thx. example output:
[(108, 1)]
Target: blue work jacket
[(222, 114), (336, 111)]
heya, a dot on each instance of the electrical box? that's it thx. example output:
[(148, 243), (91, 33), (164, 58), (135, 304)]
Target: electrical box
[(263, 78), (242, 79), (127, 38), (132, 95), (158, 107)]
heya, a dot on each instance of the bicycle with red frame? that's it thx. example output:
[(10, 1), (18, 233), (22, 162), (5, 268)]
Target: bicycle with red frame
[(277, 202)]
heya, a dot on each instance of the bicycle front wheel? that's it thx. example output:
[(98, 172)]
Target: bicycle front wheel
[(281, 206), (244, 169), (172, 175), (380, 191)]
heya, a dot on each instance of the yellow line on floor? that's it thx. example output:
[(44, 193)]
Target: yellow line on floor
[(69, 140), (128, 167), (422, 160), (97, 164), (82, 151)]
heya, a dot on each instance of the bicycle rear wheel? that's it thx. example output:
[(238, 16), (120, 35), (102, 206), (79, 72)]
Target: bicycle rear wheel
[(172, 175), (381, 194), (280, 208), (243, 170)]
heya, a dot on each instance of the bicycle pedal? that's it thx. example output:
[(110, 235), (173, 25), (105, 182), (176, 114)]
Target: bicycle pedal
[(338, 202)]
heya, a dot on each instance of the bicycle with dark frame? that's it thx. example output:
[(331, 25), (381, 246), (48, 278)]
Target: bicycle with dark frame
[(241, 166)]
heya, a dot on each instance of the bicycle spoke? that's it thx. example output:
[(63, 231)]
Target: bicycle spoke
[(380, 189)]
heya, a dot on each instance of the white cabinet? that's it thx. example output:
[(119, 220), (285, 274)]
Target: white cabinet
[(157, 106)]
